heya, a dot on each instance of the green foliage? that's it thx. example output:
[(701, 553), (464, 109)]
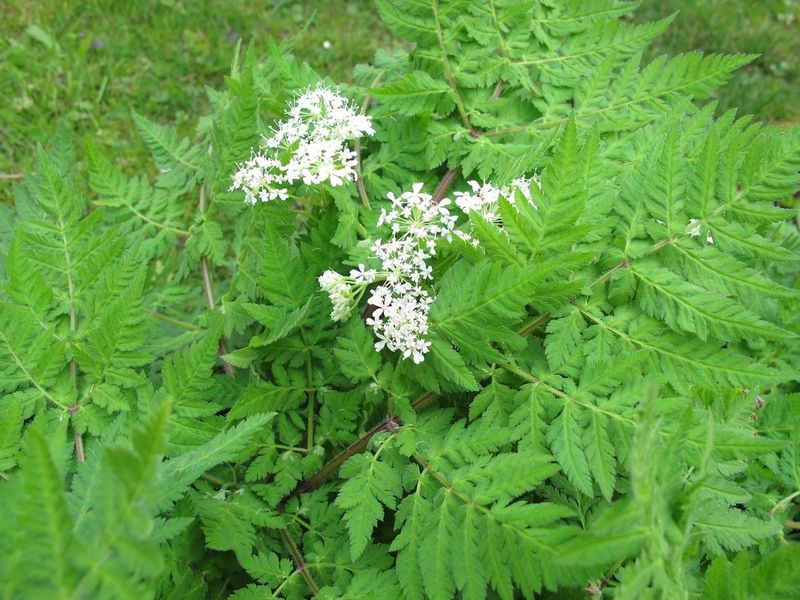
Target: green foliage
[(609, 401)]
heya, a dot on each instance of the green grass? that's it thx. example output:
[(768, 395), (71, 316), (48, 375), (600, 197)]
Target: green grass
[(88, 64), (768, 88)]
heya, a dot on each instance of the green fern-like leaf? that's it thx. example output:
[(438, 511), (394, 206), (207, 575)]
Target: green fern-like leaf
[(371, 484)]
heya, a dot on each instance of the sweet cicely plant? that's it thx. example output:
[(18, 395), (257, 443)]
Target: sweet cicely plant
[(514, 315)]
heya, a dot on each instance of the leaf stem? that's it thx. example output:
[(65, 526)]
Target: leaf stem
[(311, 403), (623, 265), (446, 483), (213, 479), (448, 72), (209, 291), (563, 395), (317, 478), (497, 30), (533, 325), (173, 321), (780, 504), (30, 376)]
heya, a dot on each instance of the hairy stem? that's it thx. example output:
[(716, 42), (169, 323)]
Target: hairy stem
[(362, 191), (73, 327), (444, 184), (79, 452), (298, 560), (423, 400), (498, 89)]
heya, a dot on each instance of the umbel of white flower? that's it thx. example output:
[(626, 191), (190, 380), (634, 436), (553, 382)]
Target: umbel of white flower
[(310, 145), (345, 292), (400, 304)]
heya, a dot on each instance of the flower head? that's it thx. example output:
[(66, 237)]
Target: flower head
[(400, 319), (345, 291), (315, 135), (401, 305), (261, 179), (310, 145), (339, 291)]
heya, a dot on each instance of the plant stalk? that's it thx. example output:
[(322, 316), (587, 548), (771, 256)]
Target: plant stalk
[(444, 184), (209, 292), (298, 560)]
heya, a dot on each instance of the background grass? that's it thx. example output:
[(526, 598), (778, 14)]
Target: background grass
[(769, 87), (88, 63)]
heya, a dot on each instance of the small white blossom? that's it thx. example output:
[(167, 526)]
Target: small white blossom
[(484, 198), (362, 274), (339, 291), (415, 215), (400, 319), (309, 146), (261, 179)]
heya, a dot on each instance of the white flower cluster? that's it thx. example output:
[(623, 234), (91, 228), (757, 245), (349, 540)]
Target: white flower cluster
[(400, 318), (484, 199), (345, 292), (400, 305), (416, 223), (311, 145)]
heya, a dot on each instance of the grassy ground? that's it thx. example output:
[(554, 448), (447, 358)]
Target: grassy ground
[(768, 88), (88, 63)]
